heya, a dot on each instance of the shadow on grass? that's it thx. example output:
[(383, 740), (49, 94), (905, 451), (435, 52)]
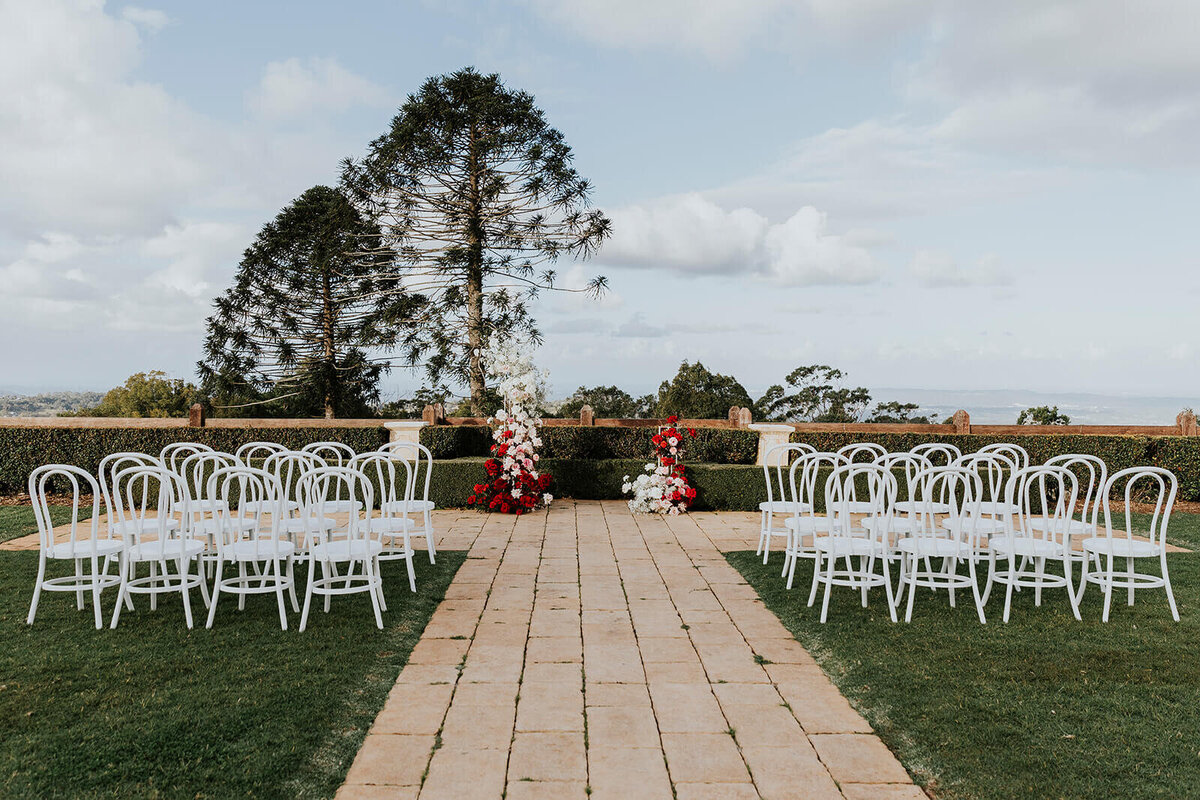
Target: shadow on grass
[(1041, 707), (154, 710)]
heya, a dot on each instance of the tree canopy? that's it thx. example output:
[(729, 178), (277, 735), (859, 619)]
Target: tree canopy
[(477, 199), (696, 393), (1043, 415), (607, 401), (304, 327), (146, 394)]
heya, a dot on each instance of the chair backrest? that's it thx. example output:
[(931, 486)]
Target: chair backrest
[(851, 513), (196, 468), (804, 478), (174, 453), (1044, 497), (995, 469), (956, 493), (910, 463), (247, 495), (253, 451), (379, 467), (1141, 484), (113, 463), (863, 451), (335, 454), (416, 453), (82, 532), (1013, 452), (322, 487), (143, 498), (779, 458), (939, 454), (288, 466), (1092, 473)]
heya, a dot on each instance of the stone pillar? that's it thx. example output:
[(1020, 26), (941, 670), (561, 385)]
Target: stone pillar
[(962, 422), (734, 411), (744, 418), (1186, 420), (405, 430), (770, 435), (586, 417), (196, 416)]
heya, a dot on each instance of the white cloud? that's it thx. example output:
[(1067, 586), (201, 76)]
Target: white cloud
[(691, 234), (295, 88), (152, 19), (938, 269)]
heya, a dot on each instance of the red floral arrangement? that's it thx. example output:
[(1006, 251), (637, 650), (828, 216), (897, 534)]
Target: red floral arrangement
[(513, 484), (664, 489)]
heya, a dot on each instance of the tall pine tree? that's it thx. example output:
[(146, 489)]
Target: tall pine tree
[(475, 193), (304, 327)]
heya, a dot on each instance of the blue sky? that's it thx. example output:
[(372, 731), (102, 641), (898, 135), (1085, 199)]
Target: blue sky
[(924, 193)]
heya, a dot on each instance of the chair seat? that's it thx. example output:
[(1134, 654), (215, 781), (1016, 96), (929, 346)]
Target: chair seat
[(391, 524), (895, 525), (344, 550), (104, 547), (929, 546), (997, 508), (300, 525), (253, 506), (340, 506), (1075, 527), (913, 507), (1120, 548), (149, 525), (168, 549), (207, 506), (983, 526), (210, 527), (848, 546), (260, 550), (414, 506), (784, 507), (1026, 546), (807, 524)]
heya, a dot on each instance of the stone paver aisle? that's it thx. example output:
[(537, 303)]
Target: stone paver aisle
[(588, 648)]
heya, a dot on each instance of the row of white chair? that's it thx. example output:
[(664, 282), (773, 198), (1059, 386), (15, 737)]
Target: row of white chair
[(193, 504), (979, 507)]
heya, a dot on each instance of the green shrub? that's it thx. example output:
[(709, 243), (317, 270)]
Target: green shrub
[(710, 445), (23, 449)]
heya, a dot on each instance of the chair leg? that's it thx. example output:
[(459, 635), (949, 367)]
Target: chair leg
[(127, 565), (1067, 575), (828, 588), (887, 589), (812, 592), (308, 592), (79, 583), (1108, 588), (912, 587), (429, 536), (242, 576), (153, 586), (292, 583), (184, 572), (96, 592), (1039, 571), (1012, 579), (216, 593), (412, 575), (279, 581), (37, 589), (1167, 585), (370, 567), (325, 577), (1129, 569), (975, 590)]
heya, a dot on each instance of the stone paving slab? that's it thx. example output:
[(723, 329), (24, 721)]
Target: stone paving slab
[(586, 649)]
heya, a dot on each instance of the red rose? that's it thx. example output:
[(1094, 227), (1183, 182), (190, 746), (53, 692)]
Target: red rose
[(671, 420)]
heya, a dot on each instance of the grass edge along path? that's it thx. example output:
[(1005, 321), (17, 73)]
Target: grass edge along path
[(153, 710), (1041, 707)]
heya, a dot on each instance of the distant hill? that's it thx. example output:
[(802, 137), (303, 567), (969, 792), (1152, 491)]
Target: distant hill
[(50, 404)]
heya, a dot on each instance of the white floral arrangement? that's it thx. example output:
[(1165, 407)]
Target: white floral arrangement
[(656, 491)]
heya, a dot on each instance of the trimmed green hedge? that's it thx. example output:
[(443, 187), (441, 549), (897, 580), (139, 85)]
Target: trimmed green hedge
[(710, 445), (23, 449)]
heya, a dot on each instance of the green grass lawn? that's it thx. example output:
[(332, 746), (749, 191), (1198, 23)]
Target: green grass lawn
[(17, 521), (1041, 707), (154, 710)]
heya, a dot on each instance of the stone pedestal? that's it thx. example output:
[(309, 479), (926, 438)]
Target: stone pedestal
[(770, 435), (405, 430)]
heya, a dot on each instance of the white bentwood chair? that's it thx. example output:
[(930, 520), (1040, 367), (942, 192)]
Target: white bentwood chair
[(254, 451), (83, 543), (141, 494), (249, 511), (173, 454), (777, 460), (863, 451), (1046, 494), (110, 465), (853, 534), (420, 457), (1111, 546), (954, 492), (392, 523), (804, 522), (939, 454), (356, 545)]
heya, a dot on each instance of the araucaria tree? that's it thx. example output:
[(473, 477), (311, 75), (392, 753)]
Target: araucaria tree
[(305, 324), (476, 195)]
